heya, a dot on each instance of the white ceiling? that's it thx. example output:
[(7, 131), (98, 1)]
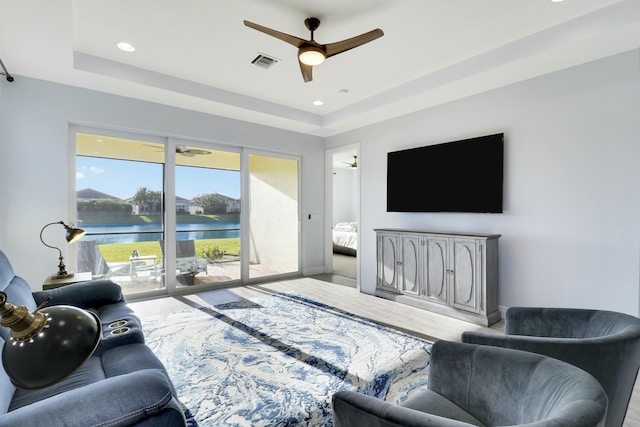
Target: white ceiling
[(196, 54)]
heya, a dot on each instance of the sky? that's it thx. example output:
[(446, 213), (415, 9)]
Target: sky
[(122, 178)]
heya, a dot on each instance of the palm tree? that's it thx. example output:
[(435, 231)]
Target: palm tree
[(142, 198)]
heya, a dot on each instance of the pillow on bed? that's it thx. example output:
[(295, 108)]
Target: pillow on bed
[(345, 226)]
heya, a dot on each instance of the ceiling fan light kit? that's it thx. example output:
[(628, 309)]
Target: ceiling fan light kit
[(312, 53)]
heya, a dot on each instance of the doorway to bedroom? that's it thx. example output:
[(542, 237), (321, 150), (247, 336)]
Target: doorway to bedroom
[(344, 213)]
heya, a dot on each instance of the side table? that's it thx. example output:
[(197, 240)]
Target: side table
[(51, 283)]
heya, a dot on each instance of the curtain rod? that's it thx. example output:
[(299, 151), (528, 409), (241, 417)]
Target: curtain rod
[(6, 73)]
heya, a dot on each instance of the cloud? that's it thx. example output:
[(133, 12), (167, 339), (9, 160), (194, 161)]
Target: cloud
[(88, 170)]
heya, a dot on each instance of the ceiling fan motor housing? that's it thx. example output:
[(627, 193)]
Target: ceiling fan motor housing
[(312, 24)]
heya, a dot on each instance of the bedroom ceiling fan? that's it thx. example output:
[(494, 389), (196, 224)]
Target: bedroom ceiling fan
[(353, 164), (312, 53)]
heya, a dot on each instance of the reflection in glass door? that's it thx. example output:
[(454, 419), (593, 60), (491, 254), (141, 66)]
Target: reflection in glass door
[(274, 216)]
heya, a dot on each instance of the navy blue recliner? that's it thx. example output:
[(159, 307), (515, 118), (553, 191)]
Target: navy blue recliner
[(122, 384)]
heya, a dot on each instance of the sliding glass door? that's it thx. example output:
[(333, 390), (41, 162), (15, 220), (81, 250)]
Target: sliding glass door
[(163, 215), (274, 216), (120, 204), (208, 209)]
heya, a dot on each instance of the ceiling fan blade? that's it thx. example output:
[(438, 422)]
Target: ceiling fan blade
[(293, 40), (307, 72), (198, 151), (344, 45), (159, 148)]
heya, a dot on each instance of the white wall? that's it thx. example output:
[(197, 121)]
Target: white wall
[(570, 230), (36, 171), (345, 195)]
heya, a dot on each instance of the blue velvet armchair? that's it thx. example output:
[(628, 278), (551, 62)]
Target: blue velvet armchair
[(604, 343), (476, 385)]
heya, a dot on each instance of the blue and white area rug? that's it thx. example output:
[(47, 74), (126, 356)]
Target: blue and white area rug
[(277, 360)]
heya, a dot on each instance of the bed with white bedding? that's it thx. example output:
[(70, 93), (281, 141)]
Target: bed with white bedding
[(345, 238)]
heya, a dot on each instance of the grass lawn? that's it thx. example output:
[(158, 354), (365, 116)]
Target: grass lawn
[(120, 252)]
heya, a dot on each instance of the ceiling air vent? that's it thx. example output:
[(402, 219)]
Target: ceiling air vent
[(264, 61)]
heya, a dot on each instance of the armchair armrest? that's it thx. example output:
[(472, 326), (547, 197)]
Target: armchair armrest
[(122, 400), (577, 351), (548, 321), (356, 409), (94, 293), (484, 338)]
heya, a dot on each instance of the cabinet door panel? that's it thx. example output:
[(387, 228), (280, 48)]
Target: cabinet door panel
[(410, 262), (389, 261), (436, 274), (464, 277)]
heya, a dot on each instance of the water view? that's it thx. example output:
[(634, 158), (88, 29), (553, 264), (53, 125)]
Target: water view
[(130, 233)]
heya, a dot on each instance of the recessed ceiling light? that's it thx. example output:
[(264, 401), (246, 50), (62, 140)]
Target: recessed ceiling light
[(556, 1), (318, 102), (343, 91), (127, 47)]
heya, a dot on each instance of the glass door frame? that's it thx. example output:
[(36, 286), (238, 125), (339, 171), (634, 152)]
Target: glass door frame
[(75, 129)]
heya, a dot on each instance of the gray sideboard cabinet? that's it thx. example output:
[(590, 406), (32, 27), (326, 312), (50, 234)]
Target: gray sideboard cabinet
[(455, 274)]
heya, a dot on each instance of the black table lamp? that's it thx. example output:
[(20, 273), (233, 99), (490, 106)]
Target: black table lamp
[(73, 234), (46, 346)]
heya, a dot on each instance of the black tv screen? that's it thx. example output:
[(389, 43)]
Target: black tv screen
[(459, 176)]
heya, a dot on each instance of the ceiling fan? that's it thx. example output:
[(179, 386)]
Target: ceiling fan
[(312, 53), (353, 164), (182, 149)]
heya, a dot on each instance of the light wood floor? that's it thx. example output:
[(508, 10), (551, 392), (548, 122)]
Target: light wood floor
[(344, 296)]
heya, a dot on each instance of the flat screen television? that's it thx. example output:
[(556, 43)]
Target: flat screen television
[(458, 176)]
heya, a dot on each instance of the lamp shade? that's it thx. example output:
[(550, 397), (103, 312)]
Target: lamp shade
[(47, 345), (74, 234)]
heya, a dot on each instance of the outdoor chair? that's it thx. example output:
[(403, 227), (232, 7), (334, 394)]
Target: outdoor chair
[(187, 262), (90, 259)]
